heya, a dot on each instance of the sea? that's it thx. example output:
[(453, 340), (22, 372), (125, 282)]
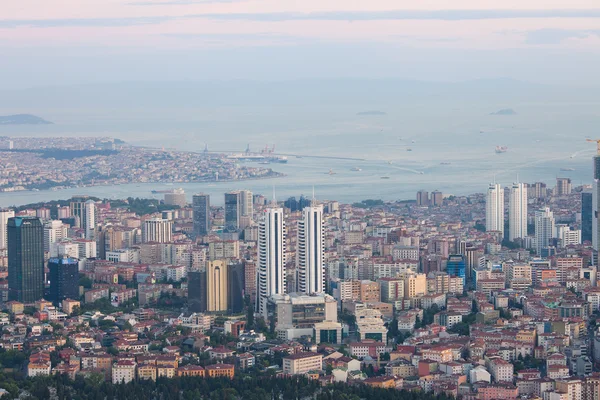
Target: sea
[(389, 154)]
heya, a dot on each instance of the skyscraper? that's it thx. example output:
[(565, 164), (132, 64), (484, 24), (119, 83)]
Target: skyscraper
[(422, 198), (5, 214), (197, 299), (310, 251), (25, 259), (457, 266), (201, 207), (235, 290), (563, 186), (176, 198), (89, 222), (271, 257), (437, 198), (586, 216), (216, 285), (596, 204), (247, 203), (544, 229), (64, 279), (494, 208), (517, 211), (233, 210), (157, 230), (54, 231)]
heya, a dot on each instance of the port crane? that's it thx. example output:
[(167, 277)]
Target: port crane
[(597, 141)]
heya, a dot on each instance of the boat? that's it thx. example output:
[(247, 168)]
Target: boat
[(567, 169), (390, 162), (445, 163), (501, 149), (409, 149), (356, 169), (385, 177), (264, 162), (331, 172)]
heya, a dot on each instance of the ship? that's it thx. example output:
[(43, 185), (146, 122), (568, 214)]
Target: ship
[(409, 149), (356, 169), (501, 149), (385, 177), (567, 169)]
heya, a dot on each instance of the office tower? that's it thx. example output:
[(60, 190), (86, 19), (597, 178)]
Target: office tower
[(544, 229), (216, 286), (5, 214), (201, 207), (233, 210), (77, 206), (250, 280), (246, 205), (25, 259), (310, 252), (176, 198), (586, 216), (517, 211), (89, 222), (157, 230), (563, 186), (271, 257), (437, 199), (494, 208), (596, 204), (54, 231), (197, 299), (235, 289), (422, 198), (64, 279), (457, 266)]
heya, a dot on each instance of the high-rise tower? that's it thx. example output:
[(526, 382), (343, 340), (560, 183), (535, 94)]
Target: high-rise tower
[(596, 204), (544, 229), (271, 257), (494, 208), (64, 279), (233, 210), (5, 214), (517, 211), (25, 259), (201, 206), (310, 251)]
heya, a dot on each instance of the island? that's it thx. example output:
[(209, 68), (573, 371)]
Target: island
[(374, 112), (505, 111), (23, 119)]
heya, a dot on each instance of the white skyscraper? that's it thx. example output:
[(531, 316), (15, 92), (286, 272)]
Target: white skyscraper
[(157, 230), (5, 214), (544, 229), (310, 251), (90, 220), (517, 211), (271, 257), (494, 208), (54, 231)]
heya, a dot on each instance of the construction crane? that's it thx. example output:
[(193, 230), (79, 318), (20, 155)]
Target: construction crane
[(597, 141)]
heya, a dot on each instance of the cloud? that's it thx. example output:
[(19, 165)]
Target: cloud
[(555, 36), (444, 15)]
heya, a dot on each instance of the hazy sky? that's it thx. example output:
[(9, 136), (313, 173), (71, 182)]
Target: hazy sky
[(78, 41)]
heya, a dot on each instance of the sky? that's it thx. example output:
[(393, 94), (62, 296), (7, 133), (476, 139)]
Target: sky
[(58, 42)]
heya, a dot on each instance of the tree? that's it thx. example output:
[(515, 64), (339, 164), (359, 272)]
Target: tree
[(393, 328)]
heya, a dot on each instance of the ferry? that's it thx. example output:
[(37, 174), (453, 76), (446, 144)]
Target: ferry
[(501, 149), (567, 169)]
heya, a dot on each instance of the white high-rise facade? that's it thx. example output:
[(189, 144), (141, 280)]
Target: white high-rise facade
[(271, 277), (157, 230), (544, 229), (494, 209), (310, 251), (90, 220), (5, 214), (517, 211), (246, 206), (54, 231)]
